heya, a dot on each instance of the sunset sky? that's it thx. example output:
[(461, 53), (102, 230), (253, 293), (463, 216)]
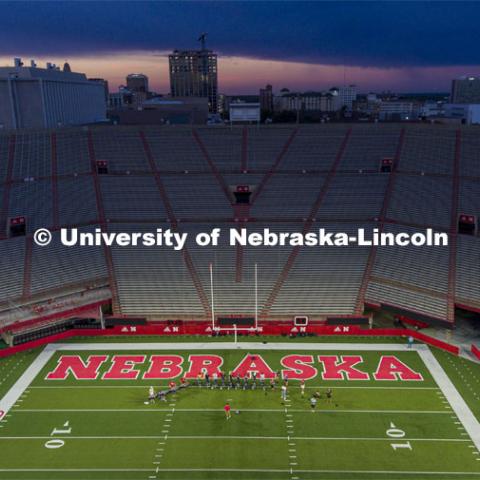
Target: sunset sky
[(409, 46)]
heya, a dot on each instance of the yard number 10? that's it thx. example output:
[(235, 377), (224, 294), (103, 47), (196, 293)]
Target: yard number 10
[(394, 432), (58, 442)]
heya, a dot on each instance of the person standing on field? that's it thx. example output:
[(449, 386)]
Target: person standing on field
[(284, 392), (329, 394), (228, 414), (151, 395)]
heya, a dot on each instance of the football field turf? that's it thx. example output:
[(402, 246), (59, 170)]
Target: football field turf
[(102, 428)]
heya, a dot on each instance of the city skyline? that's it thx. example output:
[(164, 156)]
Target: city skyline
[(298, 45)]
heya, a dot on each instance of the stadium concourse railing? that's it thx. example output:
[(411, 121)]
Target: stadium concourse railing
[(204, 328)]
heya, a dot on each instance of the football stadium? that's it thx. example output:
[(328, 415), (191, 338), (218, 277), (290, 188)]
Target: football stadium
[(228, 341)]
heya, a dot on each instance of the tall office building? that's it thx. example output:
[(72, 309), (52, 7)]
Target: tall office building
[(137, 82), (466, 90), (193, 73), (344, 96), (266, 99), (34, 97)]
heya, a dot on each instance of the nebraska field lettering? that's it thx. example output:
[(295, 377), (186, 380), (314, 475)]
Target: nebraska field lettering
[(209, 364), (296, 367), (164, 366), (391, 368), (123, 367), (253, 363), (74, 365), (335, 369)]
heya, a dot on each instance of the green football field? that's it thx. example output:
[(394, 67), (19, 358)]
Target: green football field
[(102, 428)]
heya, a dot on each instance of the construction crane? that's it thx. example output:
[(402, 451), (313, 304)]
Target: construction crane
[(202, 39)]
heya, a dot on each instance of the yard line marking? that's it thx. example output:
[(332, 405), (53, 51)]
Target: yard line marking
[(375, 347), (267, 470), (324, 385), (228, 437), (262, 410)]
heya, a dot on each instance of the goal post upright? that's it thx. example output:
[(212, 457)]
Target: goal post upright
[(213, 299), (256, 297), (235, 324)]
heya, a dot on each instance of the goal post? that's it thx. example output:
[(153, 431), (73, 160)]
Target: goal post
[(234, 323)]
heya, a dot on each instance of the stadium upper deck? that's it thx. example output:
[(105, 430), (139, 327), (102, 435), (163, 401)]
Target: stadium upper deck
[(300, 178)]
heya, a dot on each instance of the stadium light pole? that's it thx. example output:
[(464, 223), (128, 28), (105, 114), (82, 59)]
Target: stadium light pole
[(211, 291)]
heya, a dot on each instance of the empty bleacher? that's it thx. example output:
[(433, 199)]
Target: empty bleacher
[(428, 151), (56, 266), (4, 149), (314, 149), (265, 145), (131, 198), (288, 196), (153, 276), (224, 146), (421, 200), (76, 200), (289, 170), (469, 197), (175, 150), (12, 255), (354, 197), (72, 152), (423, 267), (122, 149), (33, 156), (33, 200), (407, 300), (470, 153), (196, 196), (324, 280), (468, 270), (368, 146)]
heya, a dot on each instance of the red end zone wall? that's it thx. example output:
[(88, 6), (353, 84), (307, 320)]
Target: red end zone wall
[(204, 328), (475, 351)]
